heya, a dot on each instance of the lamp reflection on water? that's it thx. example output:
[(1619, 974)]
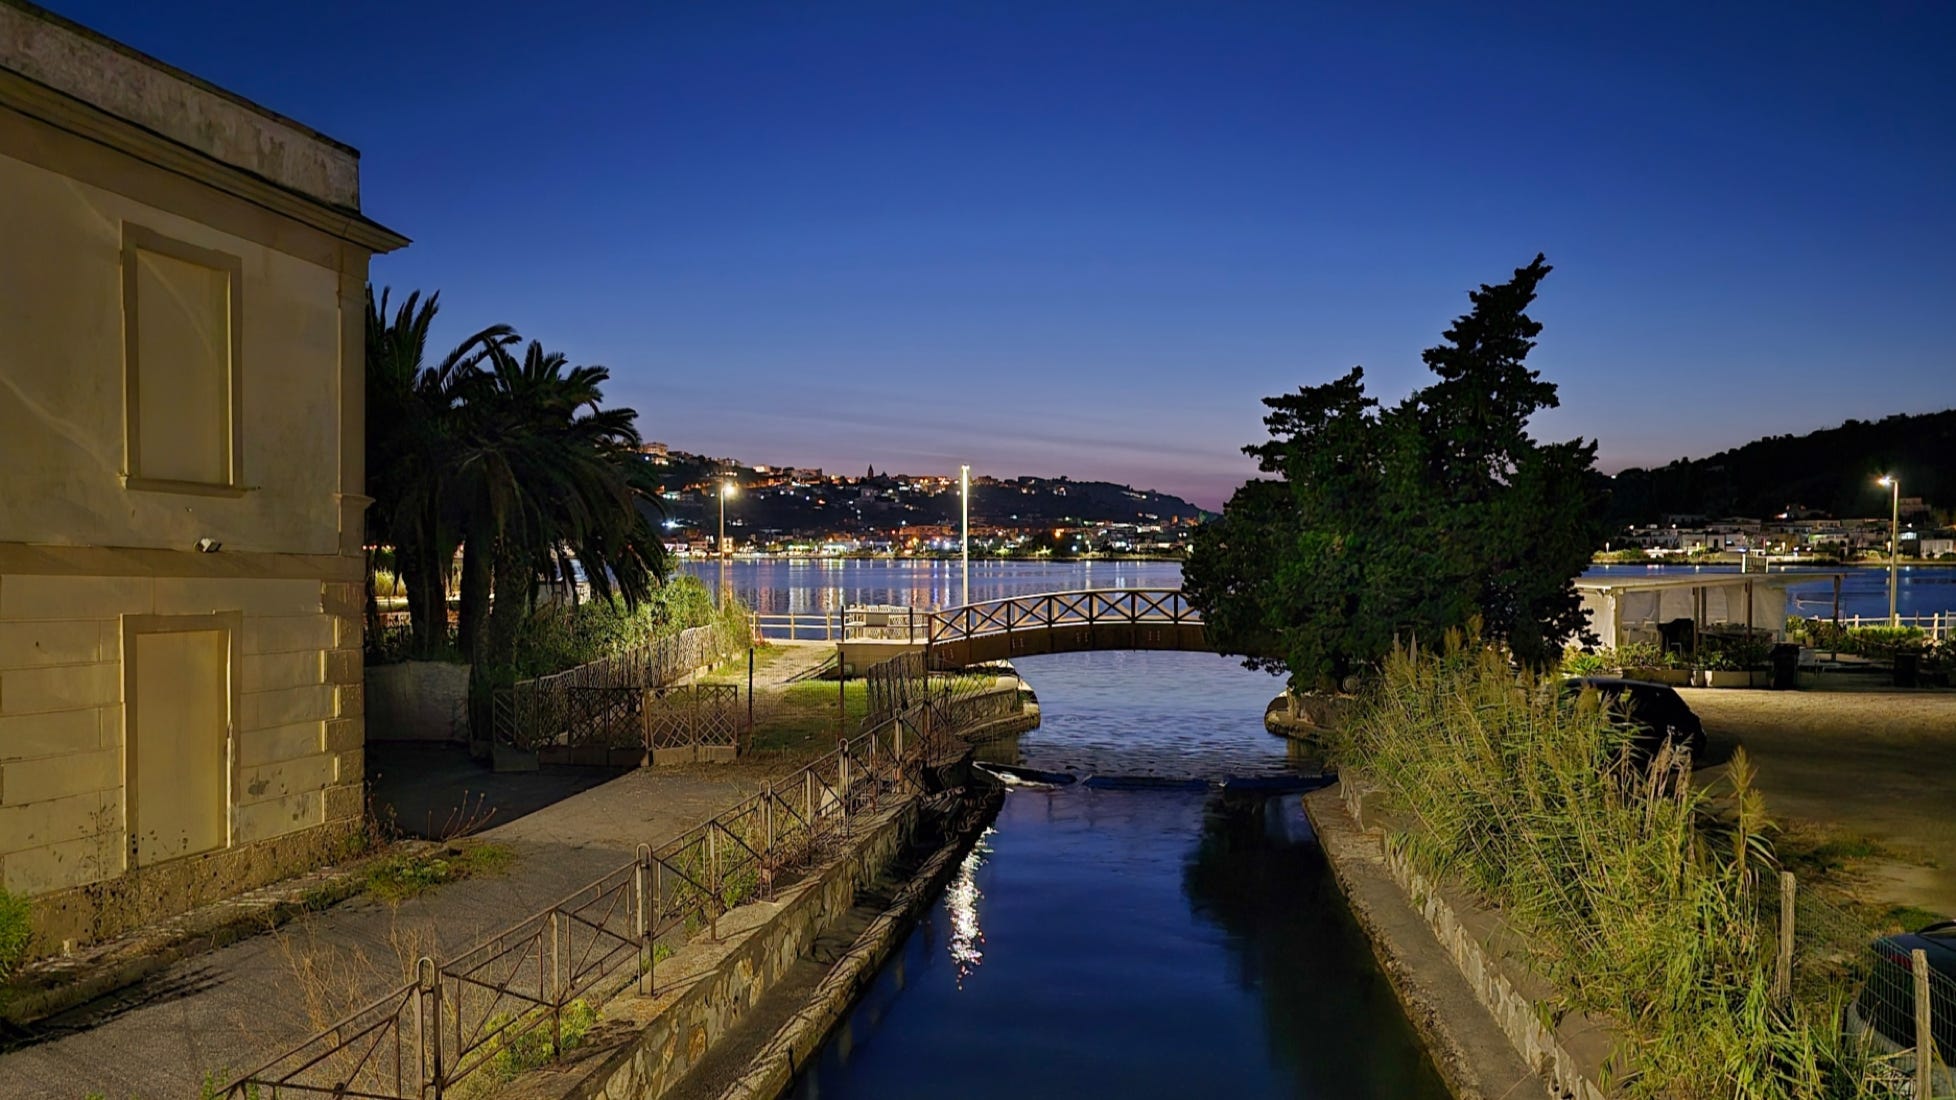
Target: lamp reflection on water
[(961, 899)]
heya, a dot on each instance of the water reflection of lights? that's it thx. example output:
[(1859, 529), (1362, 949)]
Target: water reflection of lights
[(961, 902)]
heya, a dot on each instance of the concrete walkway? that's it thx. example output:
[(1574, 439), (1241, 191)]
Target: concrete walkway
[(226, 1011)]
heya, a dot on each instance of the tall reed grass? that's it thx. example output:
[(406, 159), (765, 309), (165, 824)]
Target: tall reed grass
[(1639, 893)]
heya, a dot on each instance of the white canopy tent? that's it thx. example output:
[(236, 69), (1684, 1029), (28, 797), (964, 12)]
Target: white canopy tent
[(1625, 610)]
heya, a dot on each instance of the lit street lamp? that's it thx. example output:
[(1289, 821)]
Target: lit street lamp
[(720, 544), (1894, 485), (964, 538)]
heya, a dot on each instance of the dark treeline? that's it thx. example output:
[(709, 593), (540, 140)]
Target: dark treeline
[(1832, 470)]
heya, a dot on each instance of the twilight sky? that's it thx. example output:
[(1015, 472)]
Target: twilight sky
[(1085, 238)]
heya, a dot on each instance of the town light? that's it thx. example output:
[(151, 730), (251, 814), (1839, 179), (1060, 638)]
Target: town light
[(1894, 486)]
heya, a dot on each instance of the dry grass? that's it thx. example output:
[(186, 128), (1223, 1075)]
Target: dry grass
[(1639, 894)]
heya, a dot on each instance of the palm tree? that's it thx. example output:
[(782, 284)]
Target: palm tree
[(411, 430), (546, 482)]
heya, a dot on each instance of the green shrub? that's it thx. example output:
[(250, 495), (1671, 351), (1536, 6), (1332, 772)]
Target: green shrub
[(1578, 662), (16, 932), (1637, 900), (558, 636), (1887, 640), (1644, 655), (1733, 654), (1877, 641)]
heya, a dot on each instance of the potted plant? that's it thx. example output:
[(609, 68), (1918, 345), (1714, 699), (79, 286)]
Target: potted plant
[(1735, 663), (1583, 662), (1643, 661)]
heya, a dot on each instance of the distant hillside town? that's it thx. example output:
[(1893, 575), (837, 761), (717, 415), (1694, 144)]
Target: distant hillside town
[(779, 509), (1798, 532)]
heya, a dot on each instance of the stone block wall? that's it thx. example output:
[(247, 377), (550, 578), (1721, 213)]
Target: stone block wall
[(1516, 1013), (296, 743), (703, 992)]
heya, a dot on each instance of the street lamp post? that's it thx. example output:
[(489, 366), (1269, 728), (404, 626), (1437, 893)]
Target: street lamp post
[(720, 544), (1894, 485), (964, 537)]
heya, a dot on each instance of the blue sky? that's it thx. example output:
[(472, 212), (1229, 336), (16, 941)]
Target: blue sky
[(1086, 238)]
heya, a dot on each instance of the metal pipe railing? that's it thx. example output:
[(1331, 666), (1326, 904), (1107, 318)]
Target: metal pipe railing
[(462, 1014)]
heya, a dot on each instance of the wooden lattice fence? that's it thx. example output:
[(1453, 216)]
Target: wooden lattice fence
[(693, 722), (598, 706)]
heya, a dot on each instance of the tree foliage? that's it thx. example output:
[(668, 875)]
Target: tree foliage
[(550, 490), (412, 425), (1832, 471), (515, 461), (1379, 522)]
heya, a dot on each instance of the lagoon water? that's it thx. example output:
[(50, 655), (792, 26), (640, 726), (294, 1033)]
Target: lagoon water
[(1131, 944), (813, 585)]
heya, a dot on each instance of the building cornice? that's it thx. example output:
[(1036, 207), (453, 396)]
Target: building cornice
[(56, 108)]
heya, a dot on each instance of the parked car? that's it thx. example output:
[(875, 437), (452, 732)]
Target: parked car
[(1656, 711), (1884, 1009)]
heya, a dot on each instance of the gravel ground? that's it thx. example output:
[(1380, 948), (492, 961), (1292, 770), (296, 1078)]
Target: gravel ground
[(1881, 763)]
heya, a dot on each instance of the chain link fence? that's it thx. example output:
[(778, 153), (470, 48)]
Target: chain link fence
[(1898, 988)]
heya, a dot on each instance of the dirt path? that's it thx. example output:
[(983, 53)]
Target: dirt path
[(1876, 763)]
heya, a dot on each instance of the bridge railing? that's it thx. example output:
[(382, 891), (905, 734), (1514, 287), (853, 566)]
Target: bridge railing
[(854, 623), (800, 626), (1123, 606)]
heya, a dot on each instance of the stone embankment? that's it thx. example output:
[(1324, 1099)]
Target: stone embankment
[(710, 1026), (1456, 969)]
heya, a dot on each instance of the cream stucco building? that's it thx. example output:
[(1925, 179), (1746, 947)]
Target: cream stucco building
[(181, 441)]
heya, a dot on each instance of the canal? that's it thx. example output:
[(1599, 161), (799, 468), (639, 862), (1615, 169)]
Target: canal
[(1134, 942)]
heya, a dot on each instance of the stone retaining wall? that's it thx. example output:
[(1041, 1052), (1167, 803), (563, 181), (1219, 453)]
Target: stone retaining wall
[(645, 1045), (1485, 952), (1516, 1014), (771, 1070)]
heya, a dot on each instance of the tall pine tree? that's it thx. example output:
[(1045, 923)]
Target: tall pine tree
[(1383, 523)]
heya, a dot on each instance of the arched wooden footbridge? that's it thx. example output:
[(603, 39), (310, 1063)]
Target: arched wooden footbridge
[(1064, 622)]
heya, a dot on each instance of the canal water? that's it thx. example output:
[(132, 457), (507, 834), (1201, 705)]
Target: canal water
[(1117, 942)]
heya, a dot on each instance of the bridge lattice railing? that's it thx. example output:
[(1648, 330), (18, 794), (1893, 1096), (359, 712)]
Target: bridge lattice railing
[(1124, 606)]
